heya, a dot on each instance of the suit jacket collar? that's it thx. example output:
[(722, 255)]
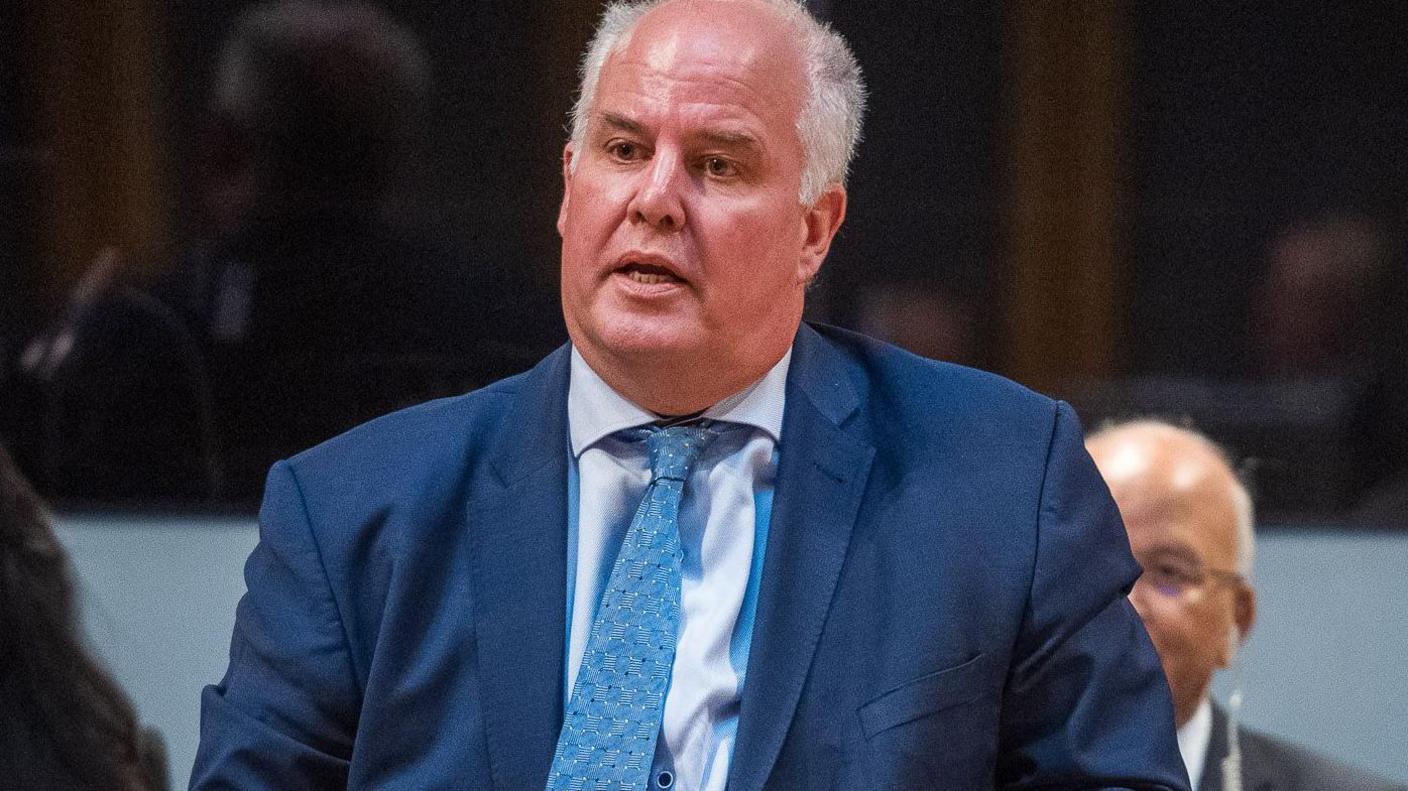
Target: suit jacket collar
[(534, 428), (518, 528), (1217, 751), (1254, 777), (824, 464)]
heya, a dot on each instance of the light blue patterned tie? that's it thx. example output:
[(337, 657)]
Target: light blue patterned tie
[(608, 735)]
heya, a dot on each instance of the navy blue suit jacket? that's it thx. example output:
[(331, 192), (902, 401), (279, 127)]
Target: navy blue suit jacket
[(942, 603)]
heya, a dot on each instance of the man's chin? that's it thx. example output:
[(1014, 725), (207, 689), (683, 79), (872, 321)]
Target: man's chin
[(660, 341), (648, 329), (662, 349)]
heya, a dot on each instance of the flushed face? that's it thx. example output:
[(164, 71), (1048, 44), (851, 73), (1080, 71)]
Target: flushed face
[(686, 251), (1176, 499)]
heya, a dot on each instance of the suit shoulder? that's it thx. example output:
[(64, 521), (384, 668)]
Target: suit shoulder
[(436, 435), (1297, 767), (930, 420), (915, 390)]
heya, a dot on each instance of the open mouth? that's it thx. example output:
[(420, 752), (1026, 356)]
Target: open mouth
[(648, 274)]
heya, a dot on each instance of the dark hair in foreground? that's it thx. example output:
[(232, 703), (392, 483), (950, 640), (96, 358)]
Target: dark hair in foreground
[(64, 723)]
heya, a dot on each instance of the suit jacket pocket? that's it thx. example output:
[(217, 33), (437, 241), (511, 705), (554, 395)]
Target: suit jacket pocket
[(924, 696)]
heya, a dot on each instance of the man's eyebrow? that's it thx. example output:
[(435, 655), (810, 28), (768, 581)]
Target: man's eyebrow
[(1173, 550), (723, 138), (619, 122), (730, 139)]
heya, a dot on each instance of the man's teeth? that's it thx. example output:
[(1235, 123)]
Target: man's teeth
[(647, 277)]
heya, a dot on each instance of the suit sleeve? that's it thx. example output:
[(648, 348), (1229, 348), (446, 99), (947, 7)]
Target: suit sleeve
[(1086, 704), (284, 715)]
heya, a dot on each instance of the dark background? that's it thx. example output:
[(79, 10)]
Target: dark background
[(1081, 196)]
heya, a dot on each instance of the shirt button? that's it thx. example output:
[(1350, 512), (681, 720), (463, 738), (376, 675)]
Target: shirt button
[(665, 779)]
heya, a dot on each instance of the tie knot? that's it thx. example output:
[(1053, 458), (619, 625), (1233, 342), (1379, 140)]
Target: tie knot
[(673, 450)]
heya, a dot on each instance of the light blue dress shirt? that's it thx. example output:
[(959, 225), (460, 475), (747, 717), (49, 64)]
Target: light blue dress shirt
[(723, 530)]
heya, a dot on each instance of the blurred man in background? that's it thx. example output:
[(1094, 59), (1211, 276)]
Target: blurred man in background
[(1328, 316), (1190, 523), (309, 307)]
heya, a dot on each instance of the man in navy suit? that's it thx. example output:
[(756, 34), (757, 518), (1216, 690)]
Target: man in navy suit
[(1190, 523), (893, 572)]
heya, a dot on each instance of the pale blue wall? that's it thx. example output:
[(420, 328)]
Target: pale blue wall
[(1327, 664), (159, 604)]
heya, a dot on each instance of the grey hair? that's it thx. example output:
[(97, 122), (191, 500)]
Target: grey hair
[(828, 125), (1241, 495)]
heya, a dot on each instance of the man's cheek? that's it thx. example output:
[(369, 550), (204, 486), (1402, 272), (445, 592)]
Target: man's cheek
[(1168, 639)]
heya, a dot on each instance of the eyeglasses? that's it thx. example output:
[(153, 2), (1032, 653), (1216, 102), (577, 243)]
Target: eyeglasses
[(1174, 575)]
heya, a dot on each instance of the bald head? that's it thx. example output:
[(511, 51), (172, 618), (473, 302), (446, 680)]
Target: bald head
[(1178, 470), (1190, 527)]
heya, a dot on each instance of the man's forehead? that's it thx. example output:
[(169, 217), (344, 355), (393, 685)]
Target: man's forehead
[(1164, 457), (1198, 515), (629, 88), (753, 16), (1170, 487), (729, 97), (711, 46)]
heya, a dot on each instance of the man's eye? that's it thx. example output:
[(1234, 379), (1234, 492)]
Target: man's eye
[(719, 167), (623, 150), (1177, 574)]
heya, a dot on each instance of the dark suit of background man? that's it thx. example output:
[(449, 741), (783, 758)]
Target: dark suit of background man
[(896, 573), (1190, 525)]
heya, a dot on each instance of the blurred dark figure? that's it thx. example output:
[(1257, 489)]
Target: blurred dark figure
[(1383, 424), (307, 311), (112, 399), (313, 110), (1320, 405), (64, 724), (1320, 305), (1330, 311)]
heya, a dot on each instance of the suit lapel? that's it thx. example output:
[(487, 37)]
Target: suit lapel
[(518, 527), (822, 473), (1257, 775), (1216, 752)]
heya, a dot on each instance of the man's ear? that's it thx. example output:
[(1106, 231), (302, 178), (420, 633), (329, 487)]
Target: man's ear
[(566, 186), (820, 221), (1245, 613)]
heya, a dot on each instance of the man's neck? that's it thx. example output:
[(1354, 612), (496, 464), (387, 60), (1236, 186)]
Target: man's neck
[(674, 389), (595, 409)]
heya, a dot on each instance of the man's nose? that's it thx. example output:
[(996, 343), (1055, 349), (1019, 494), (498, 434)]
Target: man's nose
[(658, 200)]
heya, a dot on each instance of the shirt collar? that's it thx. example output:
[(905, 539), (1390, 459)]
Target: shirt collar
[(1193, 740), (595, 411)]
